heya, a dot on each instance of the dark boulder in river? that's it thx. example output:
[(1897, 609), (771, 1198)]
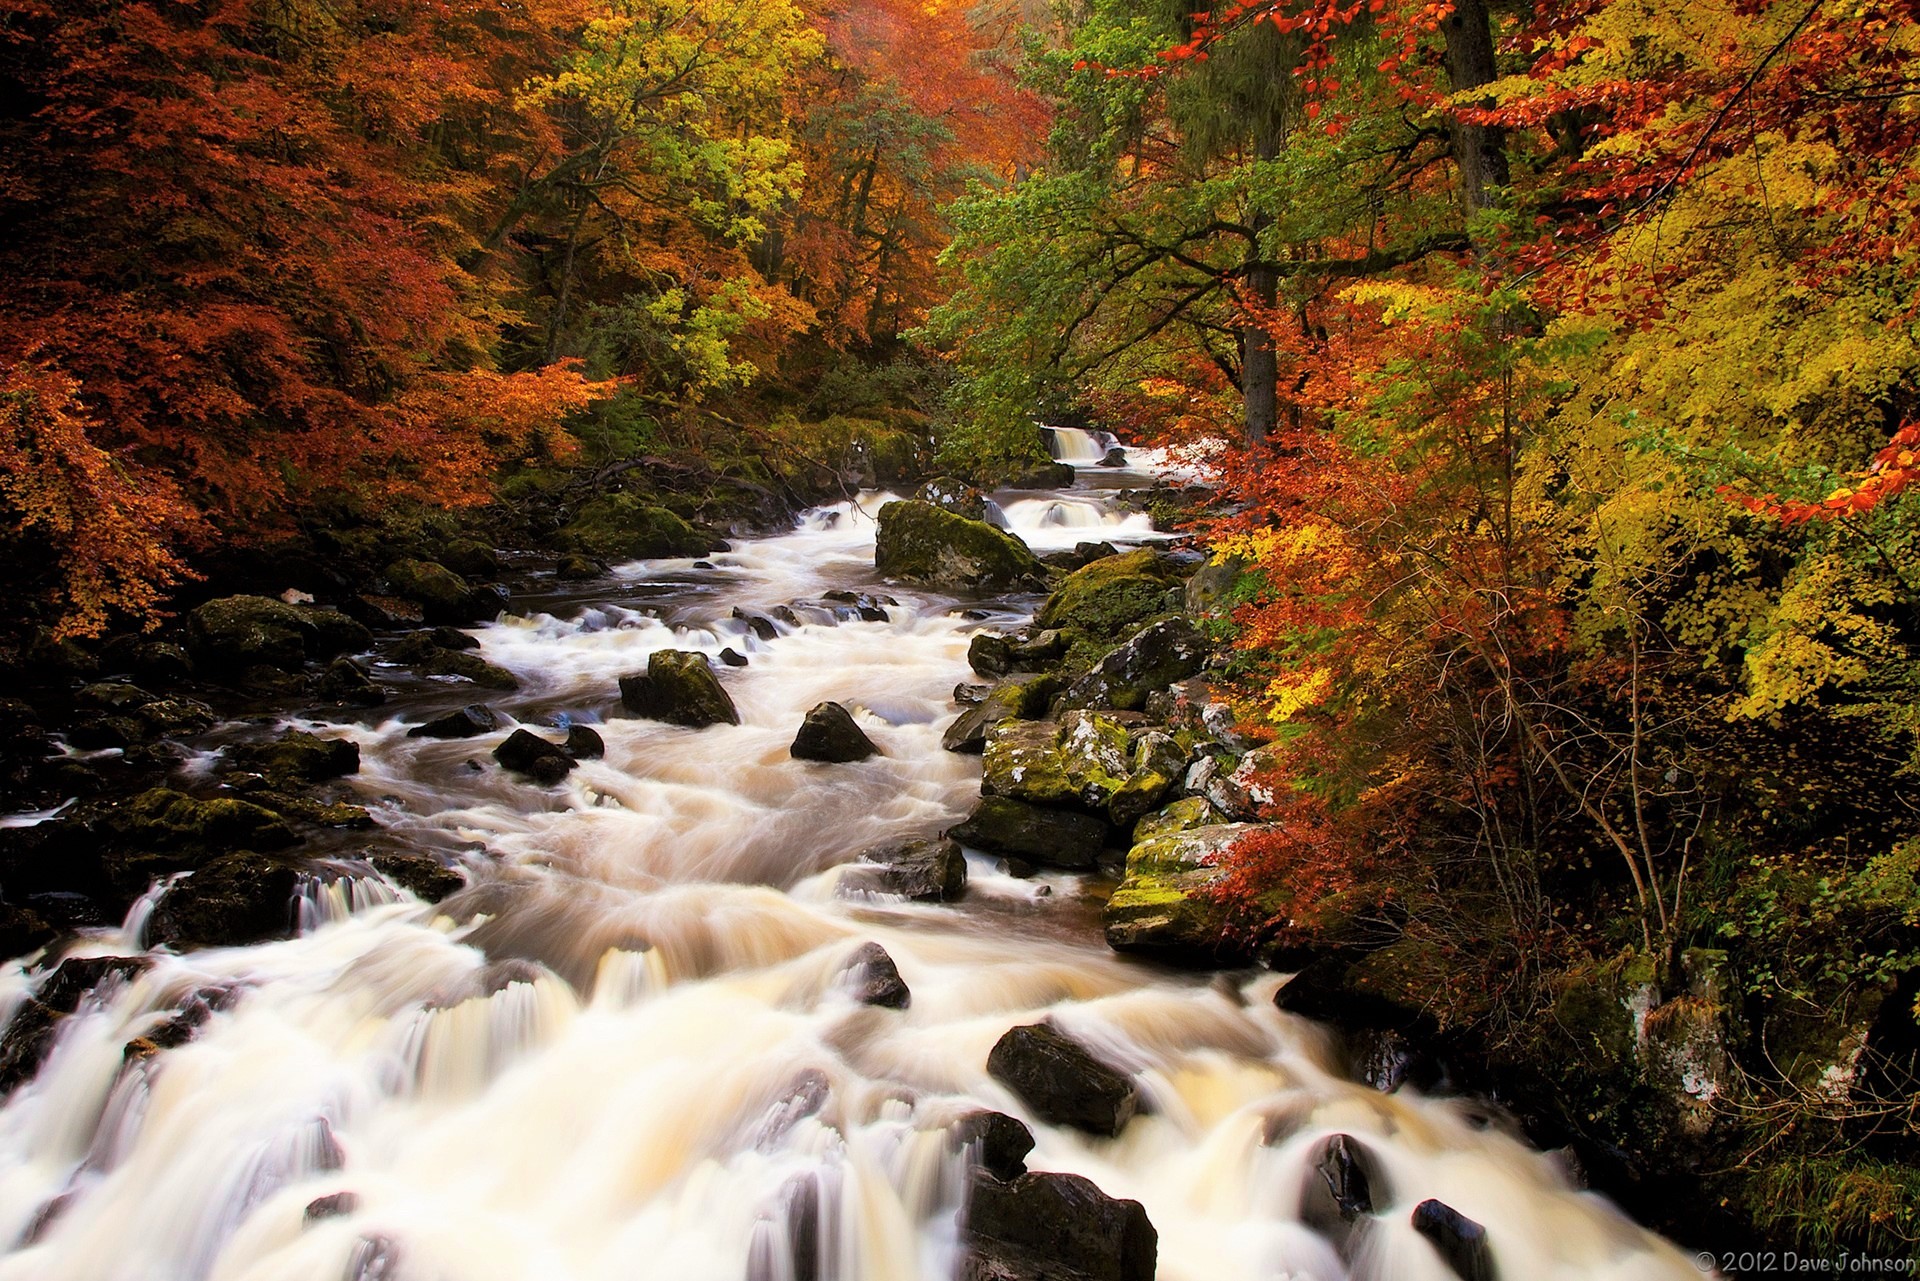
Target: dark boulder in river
[(1055, 838), (469, 721), (1062, 1081), (1461, 1242), (232, 901), (1000, 1143), (584, 743), (1055, 1227), (679, 687), (926, 544), (829, 734), (871, 978), (925, 871), (527, 753), (235, 633)]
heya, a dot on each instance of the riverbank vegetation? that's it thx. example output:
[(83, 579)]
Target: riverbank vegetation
[(1555, 368), (1560, 363)]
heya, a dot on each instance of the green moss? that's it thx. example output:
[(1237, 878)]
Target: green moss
[(622, 527), (1111, 596), (921, 543), (1828, 1203)]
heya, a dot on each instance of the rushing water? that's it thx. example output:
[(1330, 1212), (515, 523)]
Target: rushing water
[(600, 1060)]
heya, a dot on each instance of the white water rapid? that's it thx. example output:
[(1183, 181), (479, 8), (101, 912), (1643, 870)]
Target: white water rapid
[(617, 1054)]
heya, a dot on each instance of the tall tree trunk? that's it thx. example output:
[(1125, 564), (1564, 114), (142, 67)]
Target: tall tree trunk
[(1479, 150), (1259, 362)]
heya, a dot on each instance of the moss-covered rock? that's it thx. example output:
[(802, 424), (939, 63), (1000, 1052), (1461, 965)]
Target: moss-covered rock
[(950, 493), (1111, 596), (923, 544), (679, 687), (443, 596), (1053, 837), (299, 757), (163, 819), (1182, 815), (1023, 761), (622, 527), (1164, 907), (1151, 660), (1024, 698), (234, 900), (234, 633)]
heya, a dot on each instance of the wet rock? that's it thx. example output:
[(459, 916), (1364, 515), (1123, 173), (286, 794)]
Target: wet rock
[(1023, 698), (953, 495), (1048, 475), (787, 1244), (1342, 1187), (806, 1095), (163, 830), (1062, 1081), (1022, 761), (345, 681), (24, 1045), (1040, 649), (999, 1143), (584, 743), (299, 757), (472, 558), (829, 734), (443, 596), (576, 568), (733, 657), (990, 654), (77, 976), (527, 753), (1163, 908), (421, 875), (467, 722), (924, 871), (1151, 660), (871, 978), (238, 632), (429, 659), (921, 543), (389, 613), (1055, 1227), (1110, 597), (1114, 457), (453, 638), (968, 694), (192, 1014), (336, 1205), (1052, 837), (679, 687), (620, 527), (1461, 1242), (232, 901), (759, 624)]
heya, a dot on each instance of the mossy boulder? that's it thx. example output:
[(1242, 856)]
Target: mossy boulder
[(429, 659), (622, 527), (1023, 698), (1022, 761), (299, 757), (232, 901), (443, 596), (1165, 906), (1182, 815), (924, 544), (1111, 596), (1148, 662), (163, 819), (235, 633), (949, 493), (679, 687)]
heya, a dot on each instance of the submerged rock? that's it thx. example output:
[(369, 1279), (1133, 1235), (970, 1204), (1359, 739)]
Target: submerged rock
[(1342, 1187), (1163, 908), (1055, 1227), (829, 734), (924, 544), (467, 722), (679, 687), (527, 753), (1052, 837), (924, 871), (1062, 1081)]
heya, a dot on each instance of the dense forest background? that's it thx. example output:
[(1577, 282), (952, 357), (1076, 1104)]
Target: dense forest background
[(1555, 367)]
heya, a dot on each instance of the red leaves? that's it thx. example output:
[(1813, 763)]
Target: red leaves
[(1894, 468)]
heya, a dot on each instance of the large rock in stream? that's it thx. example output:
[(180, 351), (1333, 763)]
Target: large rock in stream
[(1055, 1227), (923, 871), (620, 527), (1112, 595), (1035, 833), (1062, 1081), (1163, 908), (829, 734), (925, 544), (679, 687), (235, 633), (1151, 660)]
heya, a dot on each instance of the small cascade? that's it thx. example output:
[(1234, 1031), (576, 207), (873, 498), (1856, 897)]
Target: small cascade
[(1077, 446)]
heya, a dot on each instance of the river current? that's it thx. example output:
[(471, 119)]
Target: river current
[(590, 1064)]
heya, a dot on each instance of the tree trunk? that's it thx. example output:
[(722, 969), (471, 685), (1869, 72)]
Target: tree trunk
[(1259, 362), (1478, 150)]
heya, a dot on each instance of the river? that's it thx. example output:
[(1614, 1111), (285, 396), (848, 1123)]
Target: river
[(584, 1067)]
